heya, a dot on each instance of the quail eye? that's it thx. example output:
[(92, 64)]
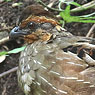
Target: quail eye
[(32, 25)]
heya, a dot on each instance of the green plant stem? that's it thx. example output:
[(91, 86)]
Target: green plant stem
[(42, 3), (82, 8)]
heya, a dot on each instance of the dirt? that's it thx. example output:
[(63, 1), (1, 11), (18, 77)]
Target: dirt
[(8, 18)]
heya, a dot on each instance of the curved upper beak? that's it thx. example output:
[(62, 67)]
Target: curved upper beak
[(17, 32)]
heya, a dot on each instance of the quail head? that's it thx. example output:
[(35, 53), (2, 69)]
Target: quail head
[(54, 62)]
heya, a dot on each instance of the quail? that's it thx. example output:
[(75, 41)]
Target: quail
[(54, 62)]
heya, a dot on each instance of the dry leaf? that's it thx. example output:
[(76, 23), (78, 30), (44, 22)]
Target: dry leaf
[(2, 58)]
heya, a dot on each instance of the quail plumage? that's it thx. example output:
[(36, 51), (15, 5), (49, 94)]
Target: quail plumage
[(54, 62)]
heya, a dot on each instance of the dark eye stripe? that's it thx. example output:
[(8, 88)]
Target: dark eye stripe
[(32, 25)]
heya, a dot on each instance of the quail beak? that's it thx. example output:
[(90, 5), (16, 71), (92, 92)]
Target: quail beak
[(17, 32)]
